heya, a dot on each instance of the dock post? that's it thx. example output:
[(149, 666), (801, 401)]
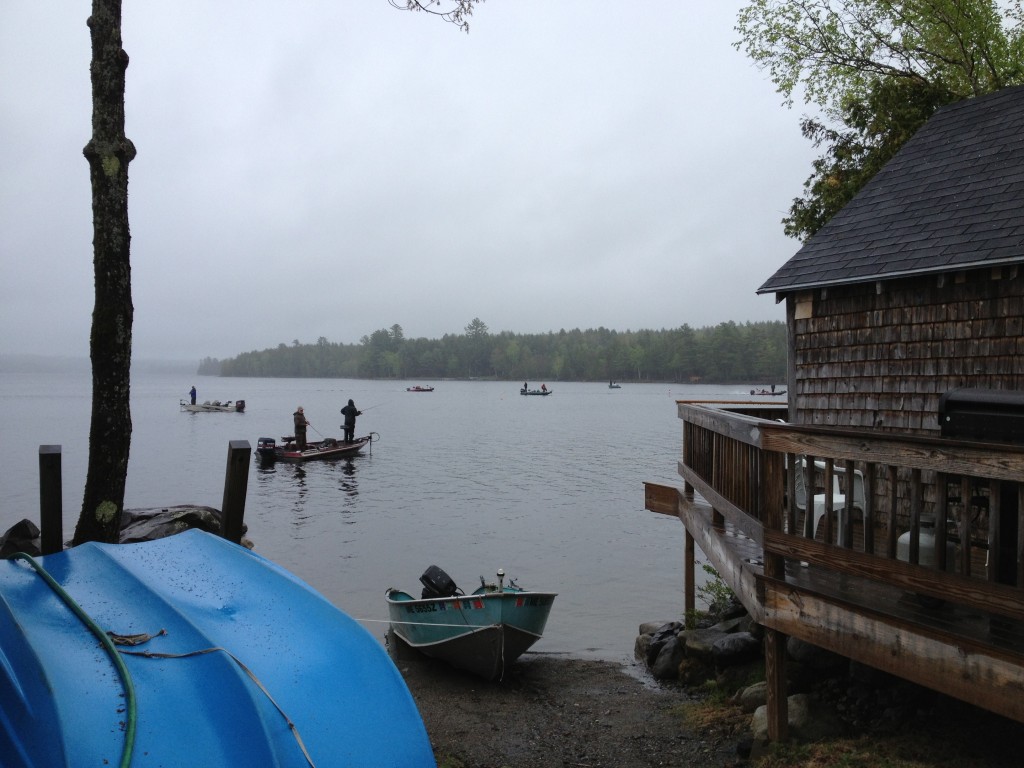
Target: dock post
[(236, 480), (51, 500), (690, 588), (771, 507)]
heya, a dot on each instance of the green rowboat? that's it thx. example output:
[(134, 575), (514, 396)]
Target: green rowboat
[(483, 632)]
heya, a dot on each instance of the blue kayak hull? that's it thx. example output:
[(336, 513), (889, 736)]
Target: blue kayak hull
[(248, 665)]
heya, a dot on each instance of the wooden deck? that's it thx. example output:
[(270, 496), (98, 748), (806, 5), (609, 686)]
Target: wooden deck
[(961, 633)]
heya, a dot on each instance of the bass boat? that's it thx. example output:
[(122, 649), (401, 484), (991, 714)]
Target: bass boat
[(215, 406), (267, 448)]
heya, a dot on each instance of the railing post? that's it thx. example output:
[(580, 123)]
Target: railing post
[(51, 500), (236, 481)]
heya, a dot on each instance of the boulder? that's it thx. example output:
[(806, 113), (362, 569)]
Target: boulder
[(735, 648), (700, 642), (666, 665)]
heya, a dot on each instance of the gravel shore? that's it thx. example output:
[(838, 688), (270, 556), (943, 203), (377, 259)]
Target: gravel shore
[(554, 712)]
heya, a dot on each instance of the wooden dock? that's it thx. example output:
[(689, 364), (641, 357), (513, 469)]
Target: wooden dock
[(959, 630)]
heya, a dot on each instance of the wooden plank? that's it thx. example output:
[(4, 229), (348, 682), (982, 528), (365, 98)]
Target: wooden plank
[(966, 673), (722, 506), (663, 499), (999, 462), (724, 550), (975, 593)]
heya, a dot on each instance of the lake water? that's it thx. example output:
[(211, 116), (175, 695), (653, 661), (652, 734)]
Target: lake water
[(471, 477)]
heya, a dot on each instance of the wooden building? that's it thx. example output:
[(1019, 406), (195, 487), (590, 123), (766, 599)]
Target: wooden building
[(879, 514), (917, 286)]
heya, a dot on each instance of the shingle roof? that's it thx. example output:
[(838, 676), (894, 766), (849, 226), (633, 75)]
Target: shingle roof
[(952, 198)]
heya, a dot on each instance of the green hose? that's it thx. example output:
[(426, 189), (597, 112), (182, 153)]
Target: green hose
[(122, 669)]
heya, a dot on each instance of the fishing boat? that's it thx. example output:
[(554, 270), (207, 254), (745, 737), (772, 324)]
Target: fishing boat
[(190, 650), (214, 406), (542, 392), (769, 392), (613, 385), (418, 388), (483, 632), (267, 448)]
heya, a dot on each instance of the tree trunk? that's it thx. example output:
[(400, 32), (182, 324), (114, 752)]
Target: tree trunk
[(108, 152)]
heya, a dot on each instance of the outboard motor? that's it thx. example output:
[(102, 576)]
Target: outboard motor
[(265, 447), (240, 405), (437, 583)]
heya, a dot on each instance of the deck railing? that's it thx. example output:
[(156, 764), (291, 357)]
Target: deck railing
[(924, 503), (903, 552)]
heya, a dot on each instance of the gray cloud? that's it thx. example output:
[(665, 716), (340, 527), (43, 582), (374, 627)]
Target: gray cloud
[(327, 169)]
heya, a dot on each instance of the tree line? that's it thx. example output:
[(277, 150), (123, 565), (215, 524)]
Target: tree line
[(728, 352)]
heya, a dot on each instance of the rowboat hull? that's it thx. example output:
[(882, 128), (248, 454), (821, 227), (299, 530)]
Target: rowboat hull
[(238, 647), (328, 448), (482, 633)]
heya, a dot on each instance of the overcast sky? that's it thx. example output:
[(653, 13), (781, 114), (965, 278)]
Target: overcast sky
[(324, 168)]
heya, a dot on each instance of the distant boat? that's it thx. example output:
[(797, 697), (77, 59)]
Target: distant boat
[(328, 448), (482, 633), (215, 406), (769, 392), (190, 650), (613, 385), (535, 391), (418, 388)]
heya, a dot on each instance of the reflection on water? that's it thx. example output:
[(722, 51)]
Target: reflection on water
[(471, 477)]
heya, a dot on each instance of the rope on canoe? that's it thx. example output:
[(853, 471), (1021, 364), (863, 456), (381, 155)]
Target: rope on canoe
[(291, 725), (108, 645)]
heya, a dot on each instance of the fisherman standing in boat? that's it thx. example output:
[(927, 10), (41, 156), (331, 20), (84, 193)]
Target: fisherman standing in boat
[(192, 394), (350, 412), (300, 428)]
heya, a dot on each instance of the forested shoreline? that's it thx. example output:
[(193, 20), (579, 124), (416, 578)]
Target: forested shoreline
[(728, 352)]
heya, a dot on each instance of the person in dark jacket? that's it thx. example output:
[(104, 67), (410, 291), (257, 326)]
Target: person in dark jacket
[(350, 412), (192, 394), (300, 428)]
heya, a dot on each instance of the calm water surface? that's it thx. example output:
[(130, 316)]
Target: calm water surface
[(471, 477)]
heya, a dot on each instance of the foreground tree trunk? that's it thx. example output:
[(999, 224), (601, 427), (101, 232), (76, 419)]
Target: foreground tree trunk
[(108, 152)]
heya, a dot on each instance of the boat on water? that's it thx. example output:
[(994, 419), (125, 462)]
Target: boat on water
[(613, 385), (328, 448), (419, 388), (542, 392), (214, 406), (483, 632), (190, 650), (769, 392)]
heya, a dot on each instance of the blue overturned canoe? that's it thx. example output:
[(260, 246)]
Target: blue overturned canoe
[(215, 656), (482, 633)]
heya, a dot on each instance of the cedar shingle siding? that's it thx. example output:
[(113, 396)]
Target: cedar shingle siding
[(914, 287), (867, 359)]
